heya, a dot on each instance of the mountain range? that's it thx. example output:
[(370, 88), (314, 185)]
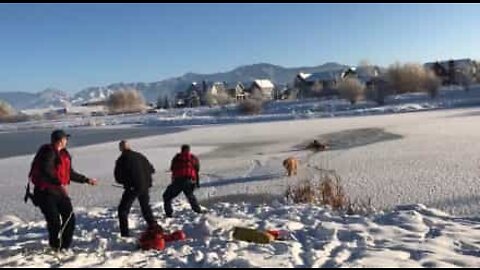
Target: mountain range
[(152, 90)]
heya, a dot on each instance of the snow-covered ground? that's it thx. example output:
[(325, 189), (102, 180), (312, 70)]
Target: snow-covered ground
[(431, 158), (425, 158), (410, 236)]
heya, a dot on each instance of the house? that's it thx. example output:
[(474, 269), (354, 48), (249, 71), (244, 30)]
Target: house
[(328, 79), (320, 83), (370, 76), (214, 94), (265, 87), (217, 88), (203, 94), (366, 74), (453, 71), (191, 97), (282, 91), (324, 83), (236, 91)]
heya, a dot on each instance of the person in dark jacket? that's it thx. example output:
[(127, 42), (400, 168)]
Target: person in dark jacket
[(50, 173), (185, 169), (134, 172)]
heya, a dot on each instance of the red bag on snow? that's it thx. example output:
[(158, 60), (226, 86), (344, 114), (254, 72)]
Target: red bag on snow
[(152, 238), (175, 236)]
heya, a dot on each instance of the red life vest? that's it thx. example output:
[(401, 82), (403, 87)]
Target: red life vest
[(61, 169), (183, 166)]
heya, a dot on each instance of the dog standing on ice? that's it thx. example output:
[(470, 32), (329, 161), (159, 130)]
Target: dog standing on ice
[(291, 165)]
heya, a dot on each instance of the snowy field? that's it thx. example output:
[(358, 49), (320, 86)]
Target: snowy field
[(410, 236), (400, 161)]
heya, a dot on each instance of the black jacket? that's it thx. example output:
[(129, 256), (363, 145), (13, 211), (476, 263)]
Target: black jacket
[(134, 171), (47, 160)]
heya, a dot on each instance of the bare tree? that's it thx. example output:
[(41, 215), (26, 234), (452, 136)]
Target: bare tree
[(210, 99), (6, 109), (351, 89), (377, 91), (409, 78), (126, 101), (316, 89), (9, 115), (160, 102), (431, 83), (166, 103), (194, 99), (251, 106), (465, 78), (163, 102), (223, 99)]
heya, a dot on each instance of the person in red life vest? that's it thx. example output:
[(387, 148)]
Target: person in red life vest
[(184, 167), (50, 173)]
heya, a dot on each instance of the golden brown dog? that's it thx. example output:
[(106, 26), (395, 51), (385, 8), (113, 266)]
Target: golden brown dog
[(291, 165)]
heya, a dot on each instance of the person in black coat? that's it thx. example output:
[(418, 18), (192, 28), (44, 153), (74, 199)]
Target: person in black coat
[(134, 172)]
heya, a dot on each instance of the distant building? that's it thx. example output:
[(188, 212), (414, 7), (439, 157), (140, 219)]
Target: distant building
[(217, 88), (208, 93), (324, 83), (453, 71), (236, 91), (265, 87)]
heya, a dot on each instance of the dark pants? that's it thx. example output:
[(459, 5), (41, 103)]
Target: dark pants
[(173, 190), (128, 198), (58, 211)]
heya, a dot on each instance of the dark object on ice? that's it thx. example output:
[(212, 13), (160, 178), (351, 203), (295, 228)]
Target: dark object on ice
[(317, 146)]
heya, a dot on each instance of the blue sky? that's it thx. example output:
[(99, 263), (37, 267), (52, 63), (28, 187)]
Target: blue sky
[(73, 46)]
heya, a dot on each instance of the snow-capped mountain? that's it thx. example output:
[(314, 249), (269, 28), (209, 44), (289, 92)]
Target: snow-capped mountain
[(151, 91), (47, 98)]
